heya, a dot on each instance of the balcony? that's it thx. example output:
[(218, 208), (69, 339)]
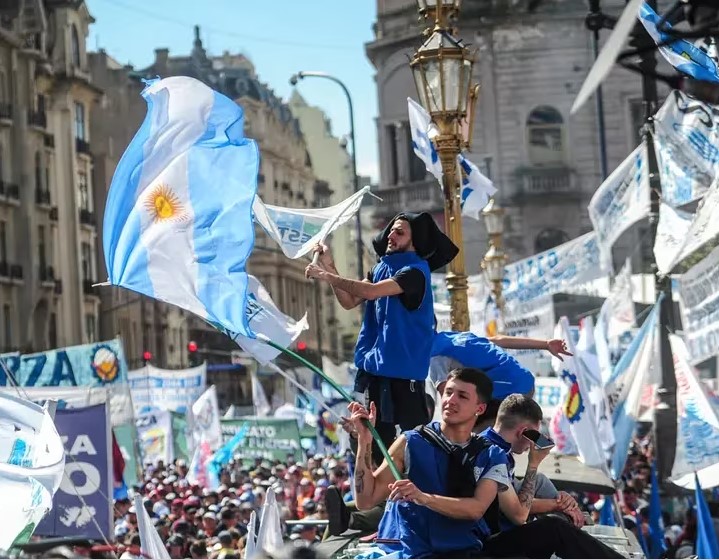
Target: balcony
[(88, 289), (9, 193), (54, 214), (4, 269), (58, 286), (87, 218), (37, 119), (550, 182), (5, 112), (82, 146), (47, 274), (42, 197), (49, 141), (16, 271), (420, 196)]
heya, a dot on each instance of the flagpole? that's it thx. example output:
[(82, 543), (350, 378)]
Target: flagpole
[(278, 369), (343, 394)]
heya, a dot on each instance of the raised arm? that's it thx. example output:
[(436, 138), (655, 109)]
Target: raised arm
[(371, 488), (326, 262), (555, 346)]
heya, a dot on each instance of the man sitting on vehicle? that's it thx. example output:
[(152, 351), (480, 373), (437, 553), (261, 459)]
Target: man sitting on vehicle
[(452, 476)]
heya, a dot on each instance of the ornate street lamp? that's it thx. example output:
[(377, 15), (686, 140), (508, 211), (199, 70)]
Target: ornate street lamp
[(442, 70), (495, 259)]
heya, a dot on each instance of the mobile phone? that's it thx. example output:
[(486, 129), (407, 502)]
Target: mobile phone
[(540, 441)]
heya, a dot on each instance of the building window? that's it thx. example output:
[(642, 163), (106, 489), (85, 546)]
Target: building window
[(75, 46), (7, 326), (52, 331), (80, 121), (3, 95), (392, 145), (2, 164), (38, 172), (549, 238), (41, 248), (90, 327), (83, 192), (3, 241), (86, 256), (545, 136)]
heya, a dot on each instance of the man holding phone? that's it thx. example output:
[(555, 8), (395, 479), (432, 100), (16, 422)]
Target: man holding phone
[(517, 431)]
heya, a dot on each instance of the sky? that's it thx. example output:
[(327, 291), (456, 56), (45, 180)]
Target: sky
[(280, 37)]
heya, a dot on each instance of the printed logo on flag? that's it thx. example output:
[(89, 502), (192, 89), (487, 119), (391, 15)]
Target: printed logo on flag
[(253, 307), (295, 229), (105, 363), (574, 404)]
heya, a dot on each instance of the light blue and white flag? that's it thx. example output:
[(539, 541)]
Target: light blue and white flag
[(422, 133), (626, 386), (151, 543), (680, 53), (476, 188), (178, 220)]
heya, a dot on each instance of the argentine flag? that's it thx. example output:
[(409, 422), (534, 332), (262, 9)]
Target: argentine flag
[(178, 220)]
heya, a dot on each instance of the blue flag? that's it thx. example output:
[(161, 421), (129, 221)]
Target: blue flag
[(178, 221), (474, 351), (606, 514), (680, 53), (707, 545), (640, 536), (657, 544)]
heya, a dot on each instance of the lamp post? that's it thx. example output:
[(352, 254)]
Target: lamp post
[(442, 70), (495, 259), (355, 180)]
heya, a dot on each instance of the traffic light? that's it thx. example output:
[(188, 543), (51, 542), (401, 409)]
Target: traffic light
[(192, 357), (301, 346), (146, 357)]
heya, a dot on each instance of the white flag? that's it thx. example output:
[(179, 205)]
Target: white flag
[(476, 188), (578, 405), (206, 419), (341, 374), (266, 319), (697, 416), (32, 463), (683, 241), (621, 201), (259, 399), (151, 544), (298, 230), (269, 535), (620, 311), (251, 546), (423, 131)]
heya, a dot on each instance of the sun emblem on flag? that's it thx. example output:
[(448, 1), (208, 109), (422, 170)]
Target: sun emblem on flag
[(164, 205)]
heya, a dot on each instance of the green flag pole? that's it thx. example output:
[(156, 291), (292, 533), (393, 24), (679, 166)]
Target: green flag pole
[(345, 396)]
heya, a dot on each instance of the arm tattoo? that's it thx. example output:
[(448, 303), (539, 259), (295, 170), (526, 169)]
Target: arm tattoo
[(368, 457), (359, 481), (353, 287), (526, 492)]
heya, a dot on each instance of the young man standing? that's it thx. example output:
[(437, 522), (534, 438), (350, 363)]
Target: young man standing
[(395, 342), (452, 477), (514, 536)]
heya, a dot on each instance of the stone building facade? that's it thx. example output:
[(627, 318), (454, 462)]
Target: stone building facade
[(544, 162), (48, 224)]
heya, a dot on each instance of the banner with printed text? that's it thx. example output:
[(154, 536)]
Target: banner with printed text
[(527, 283), (86, 365), (699, 303), (82, 506), (536, 323), (477, 294), (268, 438), (686, 137), (166, 389), (621, 201), (154, 432)]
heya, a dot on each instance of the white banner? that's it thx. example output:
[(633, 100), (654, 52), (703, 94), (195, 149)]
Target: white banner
[(528, 282), (697, 416), (699, 302), (675, 241), (549, 392), (154, 430), (687, 147), (166, 389), (206, 419), (477, 293), (265, 318), (536, 323), (297, 230), (621, 201), (118, 395)]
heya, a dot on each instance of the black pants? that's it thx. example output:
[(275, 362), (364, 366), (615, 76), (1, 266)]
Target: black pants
[(544, 537), (409, 403)]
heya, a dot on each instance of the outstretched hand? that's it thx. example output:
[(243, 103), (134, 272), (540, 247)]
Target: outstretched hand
[(558, 348)]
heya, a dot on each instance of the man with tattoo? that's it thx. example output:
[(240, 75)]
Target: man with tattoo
[(451, 476), (514, 536), (394, 344)]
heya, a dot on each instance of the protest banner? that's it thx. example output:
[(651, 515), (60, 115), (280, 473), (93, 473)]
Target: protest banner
[(180, 431), (699, 303), (268, 438), (549, 392), (535, 323), (154, 432), (127, 441), (87, 365), (165, 389), (82, 506)]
